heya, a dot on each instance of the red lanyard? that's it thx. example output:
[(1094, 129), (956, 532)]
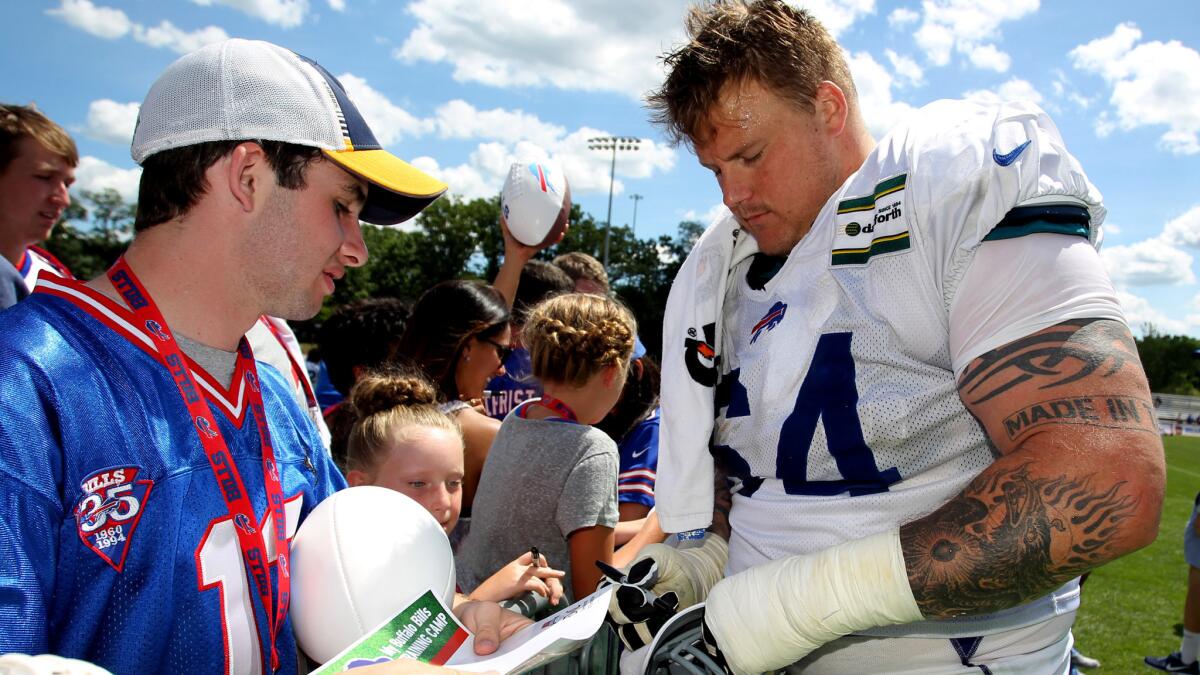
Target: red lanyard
[(557, 407), (229, 479)]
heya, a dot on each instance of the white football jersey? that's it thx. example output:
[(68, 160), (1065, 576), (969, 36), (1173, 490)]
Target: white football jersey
[(837, 406)]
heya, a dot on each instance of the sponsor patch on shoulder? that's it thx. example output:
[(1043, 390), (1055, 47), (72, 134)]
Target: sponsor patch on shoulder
[(872, 225), (109, 511)]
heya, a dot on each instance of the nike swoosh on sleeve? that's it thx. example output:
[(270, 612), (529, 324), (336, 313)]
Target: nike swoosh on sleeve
[(1010, 157)]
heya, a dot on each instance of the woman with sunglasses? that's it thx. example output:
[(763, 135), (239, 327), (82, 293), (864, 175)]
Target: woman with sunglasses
[(459, 335)]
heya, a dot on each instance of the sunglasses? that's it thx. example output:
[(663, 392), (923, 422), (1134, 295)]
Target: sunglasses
[(503, 351)]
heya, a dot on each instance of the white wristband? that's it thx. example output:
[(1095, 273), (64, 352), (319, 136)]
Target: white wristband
[(773, 615)]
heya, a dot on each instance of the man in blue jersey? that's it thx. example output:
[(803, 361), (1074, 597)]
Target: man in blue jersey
[(152, 474)]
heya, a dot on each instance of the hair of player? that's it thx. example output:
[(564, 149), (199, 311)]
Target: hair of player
[(26, 121), (638, 399), (579, 265), (539, 280), (174, 180), (362, 334), (444, 319), (572, 337), (732, 41), (388, 403)]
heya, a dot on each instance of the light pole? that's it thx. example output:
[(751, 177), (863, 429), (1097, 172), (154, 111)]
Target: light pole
[(636, 198), (613, 143)]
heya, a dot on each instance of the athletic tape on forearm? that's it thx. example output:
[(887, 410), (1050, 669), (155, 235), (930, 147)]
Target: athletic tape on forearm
[(770, 616), (689, 572)]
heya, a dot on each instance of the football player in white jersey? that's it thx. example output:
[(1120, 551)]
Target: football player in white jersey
[(37, 165), (925, 396)]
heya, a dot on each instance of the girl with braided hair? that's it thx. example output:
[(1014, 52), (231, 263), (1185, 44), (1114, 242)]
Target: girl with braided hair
[(401, 440), (550, 479)]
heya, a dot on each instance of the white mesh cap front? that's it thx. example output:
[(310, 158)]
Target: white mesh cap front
[(237, 90)]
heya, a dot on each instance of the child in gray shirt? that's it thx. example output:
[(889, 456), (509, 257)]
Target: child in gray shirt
[(550, 479)]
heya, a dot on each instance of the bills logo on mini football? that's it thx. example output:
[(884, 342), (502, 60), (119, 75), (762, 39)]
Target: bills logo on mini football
[(543, 178), (772, 318), (108, 513)]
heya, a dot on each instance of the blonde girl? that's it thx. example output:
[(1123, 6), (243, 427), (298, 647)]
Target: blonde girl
[(550, 479)]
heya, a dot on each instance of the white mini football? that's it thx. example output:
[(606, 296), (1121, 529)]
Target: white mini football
[(358, 558), (536, 202)]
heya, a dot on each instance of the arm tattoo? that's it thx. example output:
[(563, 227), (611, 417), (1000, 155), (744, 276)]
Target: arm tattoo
[(722, 503), (995, 546), (1021, 529), (1071, 351)]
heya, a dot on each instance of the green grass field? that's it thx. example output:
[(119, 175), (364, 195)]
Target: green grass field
[(1134, 606)]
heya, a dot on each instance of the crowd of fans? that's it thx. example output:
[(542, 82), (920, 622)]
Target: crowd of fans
[(529, 410)]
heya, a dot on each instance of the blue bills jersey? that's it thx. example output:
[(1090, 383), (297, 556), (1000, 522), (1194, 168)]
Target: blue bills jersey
[(638, 451), (118, 545)]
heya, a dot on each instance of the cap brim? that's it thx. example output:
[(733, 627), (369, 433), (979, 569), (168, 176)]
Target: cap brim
[(398, 190)]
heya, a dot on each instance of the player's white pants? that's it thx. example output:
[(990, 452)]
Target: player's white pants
[(1041, 649)]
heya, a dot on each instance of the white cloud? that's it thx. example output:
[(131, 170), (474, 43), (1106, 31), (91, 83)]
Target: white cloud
[(969, 28), (110, 24), (714, 213), (1153, 83), (282, 13), (459, 119), (506, 136), (581, 45), (94, 175), (111, 122), (587, 170), (907, 70), (988, 57), (1104, 55), (337, 5), (874, 85), (103, 22), (838, 15), (1149, 262), (592, 46), (166, 34), (1014, 89), (389, 121), (465, 180), (1184, 230), (903, 16), (1140, 314)]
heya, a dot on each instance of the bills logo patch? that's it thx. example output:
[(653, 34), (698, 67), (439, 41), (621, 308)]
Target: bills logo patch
[(106, 516), (772, 318)]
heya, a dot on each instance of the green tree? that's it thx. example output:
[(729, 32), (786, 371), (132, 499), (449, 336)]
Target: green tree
[(1170, 362), (92, 232)]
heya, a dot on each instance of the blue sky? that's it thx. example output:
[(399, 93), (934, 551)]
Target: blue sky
[(463, 88)]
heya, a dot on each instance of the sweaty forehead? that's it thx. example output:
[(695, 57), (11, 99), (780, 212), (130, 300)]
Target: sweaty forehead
[(737, 110)]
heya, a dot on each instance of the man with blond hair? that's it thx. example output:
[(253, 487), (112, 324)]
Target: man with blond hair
[(37, 165), (587, 272)]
